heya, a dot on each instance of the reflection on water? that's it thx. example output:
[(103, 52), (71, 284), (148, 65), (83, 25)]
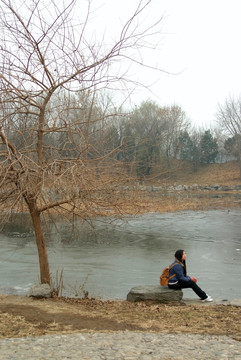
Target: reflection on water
[(112, 258)]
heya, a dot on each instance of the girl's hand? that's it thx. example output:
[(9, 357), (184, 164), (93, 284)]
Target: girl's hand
[(193, 279)]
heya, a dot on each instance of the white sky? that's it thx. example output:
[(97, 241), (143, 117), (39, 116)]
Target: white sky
[(201, 42)]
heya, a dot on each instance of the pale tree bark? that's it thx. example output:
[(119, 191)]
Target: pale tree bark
[(45, 56), (229, 118)]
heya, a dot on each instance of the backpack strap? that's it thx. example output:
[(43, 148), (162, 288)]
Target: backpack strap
[(170, 277), (175, 263)]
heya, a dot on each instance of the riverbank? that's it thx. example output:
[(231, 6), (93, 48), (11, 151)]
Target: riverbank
[(128, 324), (145, 201), (210, 187), (180, 188), (22, 316)]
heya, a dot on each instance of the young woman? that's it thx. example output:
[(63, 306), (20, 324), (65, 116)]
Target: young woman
[(178, 278)]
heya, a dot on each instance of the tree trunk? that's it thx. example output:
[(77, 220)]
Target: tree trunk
[(41, 245)]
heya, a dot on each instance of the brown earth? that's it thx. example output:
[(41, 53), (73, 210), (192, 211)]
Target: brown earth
[(22, 316)]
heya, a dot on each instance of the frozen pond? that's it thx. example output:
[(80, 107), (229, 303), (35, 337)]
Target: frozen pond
[(110, 259)]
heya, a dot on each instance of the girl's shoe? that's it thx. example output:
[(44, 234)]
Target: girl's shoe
[(207, 299)]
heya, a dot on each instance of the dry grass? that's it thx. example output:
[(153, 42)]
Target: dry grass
[(21, 316), (208, 174), (222, 174)]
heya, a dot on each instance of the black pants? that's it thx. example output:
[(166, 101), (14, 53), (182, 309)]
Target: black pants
[(189, 284)]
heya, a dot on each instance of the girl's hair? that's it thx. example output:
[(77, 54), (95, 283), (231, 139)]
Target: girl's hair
[(178, 256)]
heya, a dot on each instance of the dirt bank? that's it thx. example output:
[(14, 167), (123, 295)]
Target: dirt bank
[(22, 316)]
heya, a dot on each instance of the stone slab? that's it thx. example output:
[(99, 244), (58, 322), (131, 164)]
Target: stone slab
[(157, 293)]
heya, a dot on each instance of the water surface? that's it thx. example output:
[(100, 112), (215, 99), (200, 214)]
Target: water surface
[(109, 259)]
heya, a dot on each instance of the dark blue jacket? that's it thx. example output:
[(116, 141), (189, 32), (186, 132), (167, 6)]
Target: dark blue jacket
[(179, 272)]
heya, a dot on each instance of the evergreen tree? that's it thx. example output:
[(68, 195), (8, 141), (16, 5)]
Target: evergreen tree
[(186, 146), (208, 148)]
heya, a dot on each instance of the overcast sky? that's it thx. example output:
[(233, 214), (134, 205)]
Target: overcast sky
[(201, 42)]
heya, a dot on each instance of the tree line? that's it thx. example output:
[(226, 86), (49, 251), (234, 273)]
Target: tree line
[(140, 140)]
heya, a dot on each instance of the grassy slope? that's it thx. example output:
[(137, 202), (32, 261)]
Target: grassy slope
[(222, 174)]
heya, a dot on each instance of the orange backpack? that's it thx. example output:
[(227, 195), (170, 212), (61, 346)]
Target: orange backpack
[(164, 278)]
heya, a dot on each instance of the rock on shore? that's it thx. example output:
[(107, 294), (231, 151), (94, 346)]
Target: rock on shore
[(158, 293)]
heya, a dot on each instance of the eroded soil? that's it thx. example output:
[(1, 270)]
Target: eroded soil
[(23, 316)]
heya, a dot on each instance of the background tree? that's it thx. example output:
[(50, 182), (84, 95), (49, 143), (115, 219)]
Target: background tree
[(147, 131), (47, 136), (154, 131), (174, 122), (229, 119), (208, 148), (220, 138), (232, 144), (186, 147)]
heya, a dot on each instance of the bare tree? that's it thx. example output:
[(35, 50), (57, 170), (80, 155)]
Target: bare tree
[(175, 121), (45, 55), (229, 118), (154, 132)]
